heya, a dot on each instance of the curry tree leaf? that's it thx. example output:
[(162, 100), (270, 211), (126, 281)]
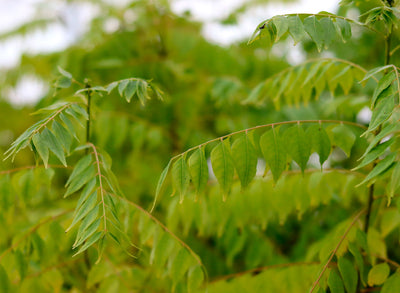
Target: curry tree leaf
[(375, 153), (53, 144), (41, 148), (87, 233), (63, 135), (195, 278), (378, 274), (296, 29), (381, 167), (382, 112), (383, 84), (198, 170), (82, 178), (315, 30), (245, 159), (329, 29), (87, 221), (180, 265), (281, 25), (130, 89), (335, 283), (392, 284), (80, 166), (394, 182), (92, 240), (274, 152), (122, 86), (344, 138), (181, 176), (222, 165), (320, 142), (297, 145), (142, 91), (343, 29), (349, 274), (387, 130), (5, 282), (83, 210)]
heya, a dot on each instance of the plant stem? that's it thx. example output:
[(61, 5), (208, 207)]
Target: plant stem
[(89, 98), (371, 189)]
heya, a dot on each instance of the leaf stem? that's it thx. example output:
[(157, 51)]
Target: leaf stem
[(89, 98), (333, 253)]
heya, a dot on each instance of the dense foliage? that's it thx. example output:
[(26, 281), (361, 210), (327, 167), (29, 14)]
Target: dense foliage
[(278, 182)]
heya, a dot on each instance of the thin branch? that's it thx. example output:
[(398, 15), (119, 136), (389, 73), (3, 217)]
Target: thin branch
[(31, 231), (270, 125), (51, 118), (336, 249), (181, 242), (264, 268), (100, 183)]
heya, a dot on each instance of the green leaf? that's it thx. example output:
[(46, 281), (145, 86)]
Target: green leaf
[(320, 142), (344, 138), (383, 84), (84, 177), (64, 72), (69, 125), (222, 165), (84, 210), (80, 166), (121, 86), (41, 148), (160, 183), (181, 177), (87, 233), (53, 144), (111, 86), (245, 159), (296, 29), (4, 280), (375, 153), (274, 152), (353, 248), (63, 135), (297, 145), (392, 284), (130, 90), (89, 242), (335, 282), (180, 265), (387, 130), (349, 274), (87, 221), (378, 274), (382, 112), (81, 111), (374, 71), (382, 166), (195, 278), (329, 29), (198, 170), (142, 91), (281, 24), (394, 182), (343, 29), (315, 31)]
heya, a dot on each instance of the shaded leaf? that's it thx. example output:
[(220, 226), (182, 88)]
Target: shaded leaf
[(378, 274), (297, 145), (222, 165), (181, 176), (335, 282), (245, 159), (344, 138), (349, 274), (274, 152), (198, 170), (382, 166)]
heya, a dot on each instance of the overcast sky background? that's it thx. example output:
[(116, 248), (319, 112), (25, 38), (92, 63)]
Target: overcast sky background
[(77, 15)]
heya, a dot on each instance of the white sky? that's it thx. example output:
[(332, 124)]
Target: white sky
[(76, 16)]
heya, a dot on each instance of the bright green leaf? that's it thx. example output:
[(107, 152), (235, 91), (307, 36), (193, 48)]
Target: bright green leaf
[(198, 170), (297, 145), (274, 152), (245, 159), (349, 274), (222, 165), (181, 176)]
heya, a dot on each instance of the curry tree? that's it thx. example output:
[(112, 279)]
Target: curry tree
[(299, 196)]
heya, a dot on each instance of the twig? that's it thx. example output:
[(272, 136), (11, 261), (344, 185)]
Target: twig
[(336, 249)]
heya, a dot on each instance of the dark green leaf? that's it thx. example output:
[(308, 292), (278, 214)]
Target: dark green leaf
[(131, 89), (274, 152), (335, 282), (375, 153), (83, 210), (63, 135), (380, 168), (198, 170), (343, 29), (222, 165), (315, 31), (181, 177), (382, 112), (383, 84), (80, 166), (296, 28), (53, 144), (83, 177), (329, 29), (4, 281), (245, 159), (297, 145), (320, 142), (349, 274)]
